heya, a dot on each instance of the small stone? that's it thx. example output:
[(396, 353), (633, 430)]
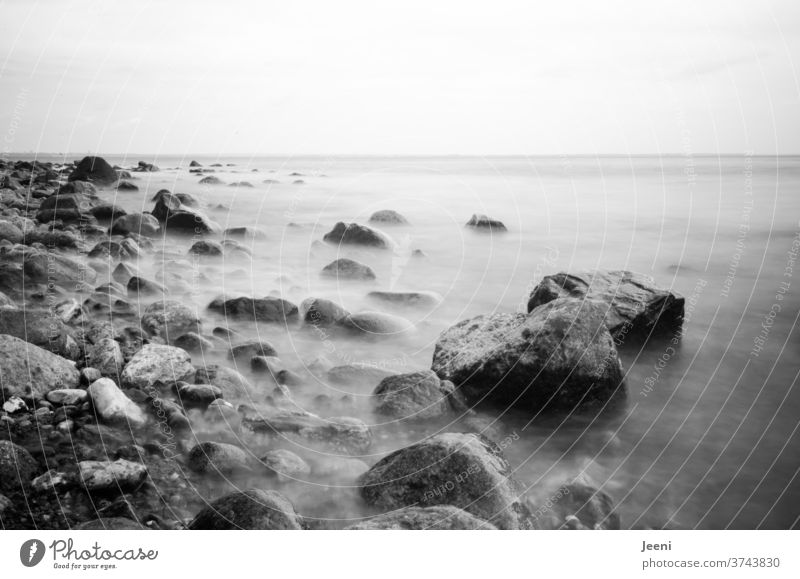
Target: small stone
[(67, 396), (14, 405)]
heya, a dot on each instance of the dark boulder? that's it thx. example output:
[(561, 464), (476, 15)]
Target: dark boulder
[(484, 223), (41, 328), (348, 269), (321, 312), (633, 305), (463, 470), (559, 357), (69, 207), (206, 248), (95, 170), (269, 309), (356, 234), (252, 509), (29, 369), (416, 396), (17, 467), (138, 223)]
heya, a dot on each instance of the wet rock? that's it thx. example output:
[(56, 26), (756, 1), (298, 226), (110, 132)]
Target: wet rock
[(144, 167), (190, 222), (28, 369), (141, 286), (124, 272), (107, 211), (194, 343), (120, 475), (211, 180), (388, 217), (286, 465), (376, 324), (633, 305), (67, 397), (576, 505), (10, 232), (416, 396), (200, 395), (348, 269), (41, 328), (559, 357), (321, 312), (438, 518), (462, 470), (356, 234), (206, 248), (250, 509), (233, 384), (241, 353), (217, 458), (78, 186), (482, 222), (156, 363), (106, 356), (71, 207), (195, 164), (139, 223), (269, 309), (94, 170), (113, 406), (406, 299), (170, 319), (53, 268), (116, 250), (17, 467), (126, 186)]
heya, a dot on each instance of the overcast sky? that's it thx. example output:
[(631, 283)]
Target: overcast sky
[(409, 77)]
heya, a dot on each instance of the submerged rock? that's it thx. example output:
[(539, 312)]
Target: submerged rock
[(633, 305), (243, 352), (357, 234), (170, 319), (438, 518), (139, 223), (27, 369), (341, 434), (416, 396), (576, 505), (462, 470), (252, 509), (285, 465), (389, 217), (106, 356), (482, 222), (321, 312), (232, 384), (41, 328), (420, 299), (155, 363), (217, 458), (376, 324), (269, 309), (348, 269), (559, 357)]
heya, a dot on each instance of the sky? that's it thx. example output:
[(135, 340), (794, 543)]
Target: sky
[(411, 77)]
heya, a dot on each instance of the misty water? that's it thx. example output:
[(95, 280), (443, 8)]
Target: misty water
[(707, 437)]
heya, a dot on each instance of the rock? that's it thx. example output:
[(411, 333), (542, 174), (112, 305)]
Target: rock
[(416, 396), (156, 363), (166, 205), (10, 232), (559, 357), (195, 164), (110, 524), (252, 509), (438, 518), (50, 481), (249, 233), (357, 374), (26, 369), (231, 382), (211, 180), (286, 465), (67, 397), (631, 302), (242, 353), (113, 406), (389, 217), (138, 223), (206, 248), (107, 211), (115, 250), (198, 394), (41, 328), (78, 186), (269, 309), (356, 234), (347, 269), (170, 319), (6, 303), (217, 458), (120, 475), (144, 167), (194, 343), (376, 324), (342, 434), (124, 272), (189, 222), (140, 286), (106, 356), (52, 268), (321, 312), (17, 467), (577, 505), (5, 504), (95, 170), (406, 299), (15, 405), (479, 221), (462, 470), (126, 186)]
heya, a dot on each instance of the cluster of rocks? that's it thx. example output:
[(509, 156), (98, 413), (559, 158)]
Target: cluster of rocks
[(112, 416)]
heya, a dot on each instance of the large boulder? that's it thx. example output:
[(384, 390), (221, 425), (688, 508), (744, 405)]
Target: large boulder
[(17, 467), (268, 309), (170, 319), (438, 518), (232, 384), (321, 312), (154, 364), (42, 328), (348, 269), (66, 207), (113, 406), (252, 509), (106, 357), (95, 170), (462, 470), (376, 324), (341, 434), (187, 221), (559, 357), (26, 369), (634, 306), (357, 234), (217, 458), (416, 396), (139, 223), (46, 267)]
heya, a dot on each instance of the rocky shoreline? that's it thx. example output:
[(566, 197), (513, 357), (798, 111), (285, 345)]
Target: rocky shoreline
[(125, 407)]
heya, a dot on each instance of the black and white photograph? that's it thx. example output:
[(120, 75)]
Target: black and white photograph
[(355, 267)]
